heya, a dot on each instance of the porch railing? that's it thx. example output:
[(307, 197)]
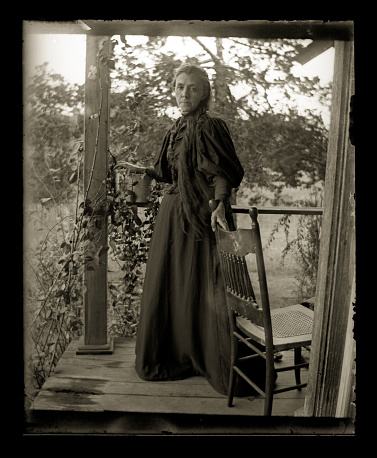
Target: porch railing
[(280, 210), (243, 209)]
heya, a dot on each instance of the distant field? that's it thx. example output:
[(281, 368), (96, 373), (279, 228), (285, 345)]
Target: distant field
[(281, 276)]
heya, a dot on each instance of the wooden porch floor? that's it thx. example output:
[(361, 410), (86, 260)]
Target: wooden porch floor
[(109, 383)]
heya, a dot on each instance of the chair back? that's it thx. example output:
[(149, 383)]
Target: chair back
[(232, 247)]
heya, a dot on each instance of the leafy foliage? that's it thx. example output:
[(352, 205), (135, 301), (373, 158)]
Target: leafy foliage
[(274, 139), (305, 244), (129, 238), (53, 131)]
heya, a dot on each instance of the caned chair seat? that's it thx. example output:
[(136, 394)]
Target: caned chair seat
[(291, 327)]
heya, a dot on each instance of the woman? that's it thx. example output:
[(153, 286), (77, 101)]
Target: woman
[(183, 328)]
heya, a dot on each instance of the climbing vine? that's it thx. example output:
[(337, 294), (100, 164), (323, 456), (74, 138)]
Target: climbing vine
[(62, 257), (71, 245), (129, 238)]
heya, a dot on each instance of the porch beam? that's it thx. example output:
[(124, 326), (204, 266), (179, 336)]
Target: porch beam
[(340, 30), (314, 49), (96, 125), (334, 294), (257, 29)]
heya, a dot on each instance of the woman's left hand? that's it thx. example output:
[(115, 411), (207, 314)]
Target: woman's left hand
[(218, 216)]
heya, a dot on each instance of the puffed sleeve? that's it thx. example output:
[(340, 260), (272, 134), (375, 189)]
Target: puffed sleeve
[(217, 158), (161, 171)]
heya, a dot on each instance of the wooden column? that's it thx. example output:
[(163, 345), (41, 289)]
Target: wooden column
[(97, 88), (345, 406), (331, 328)]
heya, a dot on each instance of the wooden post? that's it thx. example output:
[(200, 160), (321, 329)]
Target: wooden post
[(346, 397), (337, 253), (97, 88)]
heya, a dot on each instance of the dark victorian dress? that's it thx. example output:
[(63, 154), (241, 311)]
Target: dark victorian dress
[(184, 328)]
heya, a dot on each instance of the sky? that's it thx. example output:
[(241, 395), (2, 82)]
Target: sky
[(66, 56)]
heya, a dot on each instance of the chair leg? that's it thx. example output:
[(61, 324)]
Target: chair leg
[(270, 383), (232, 381), (232, 372), (297, 370)]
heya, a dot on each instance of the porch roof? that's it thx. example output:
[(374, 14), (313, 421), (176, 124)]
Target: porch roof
[(315, 30)]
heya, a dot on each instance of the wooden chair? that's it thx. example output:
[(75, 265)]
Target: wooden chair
[(280, 329)]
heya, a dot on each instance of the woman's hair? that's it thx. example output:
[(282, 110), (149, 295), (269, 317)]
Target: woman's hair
[(202, 75)]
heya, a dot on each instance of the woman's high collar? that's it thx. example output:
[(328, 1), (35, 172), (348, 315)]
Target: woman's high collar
[(195, 115)]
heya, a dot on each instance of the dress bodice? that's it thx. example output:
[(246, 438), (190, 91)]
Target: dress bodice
[(174, 150)]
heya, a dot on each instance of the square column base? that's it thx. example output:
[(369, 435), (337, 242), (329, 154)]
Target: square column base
[(104, 349)]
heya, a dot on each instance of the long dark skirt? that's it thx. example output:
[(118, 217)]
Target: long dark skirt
[(184, 326)]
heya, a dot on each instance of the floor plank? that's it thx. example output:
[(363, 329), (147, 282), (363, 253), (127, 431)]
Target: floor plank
[(109, 383), (143, 388), (63, 401), (194, 387), (95, 360)]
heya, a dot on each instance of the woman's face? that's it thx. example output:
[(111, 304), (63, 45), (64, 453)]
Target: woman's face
[(189, 92)]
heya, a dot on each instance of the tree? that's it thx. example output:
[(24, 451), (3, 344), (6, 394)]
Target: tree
[(53, 132), (140, 96), (274, 140)]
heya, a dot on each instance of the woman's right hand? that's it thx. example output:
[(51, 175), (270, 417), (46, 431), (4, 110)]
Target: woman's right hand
[(131, 167)]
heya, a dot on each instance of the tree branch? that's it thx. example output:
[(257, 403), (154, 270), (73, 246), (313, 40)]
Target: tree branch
[(213, 56), (239, 42)]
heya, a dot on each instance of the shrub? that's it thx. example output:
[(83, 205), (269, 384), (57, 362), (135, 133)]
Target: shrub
[(305, 245)]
